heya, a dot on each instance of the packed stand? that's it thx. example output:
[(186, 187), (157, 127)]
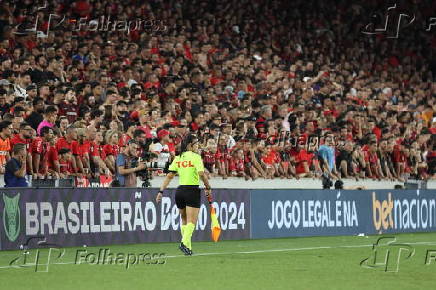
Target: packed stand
[(275, 89)]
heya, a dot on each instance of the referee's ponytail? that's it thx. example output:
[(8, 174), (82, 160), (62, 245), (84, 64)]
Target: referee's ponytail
[(189, 139)]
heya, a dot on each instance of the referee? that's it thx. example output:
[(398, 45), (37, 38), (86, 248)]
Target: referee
[(189, 165)]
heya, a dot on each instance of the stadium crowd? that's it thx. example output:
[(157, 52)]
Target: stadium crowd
[(272, 89)]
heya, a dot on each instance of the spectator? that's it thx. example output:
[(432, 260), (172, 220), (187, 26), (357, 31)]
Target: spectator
[(209, 157), (69, 107), (36, 117), (4, 106), (344, 161), (69, 142), (25, 136), (303, 161), (53, 166), (111, 149), (40, 149), (162, 149), (63, 125), (237, 165), (126, 172), (66, 163), (50, 116), (327, 158), (5, 146), (81, 148), (16, 167), (92, 149)]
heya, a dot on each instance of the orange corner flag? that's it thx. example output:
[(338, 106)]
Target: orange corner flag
[(215, 226)]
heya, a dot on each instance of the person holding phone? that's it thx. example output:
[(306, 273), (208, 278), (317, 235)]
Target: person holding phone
[(126, 167)]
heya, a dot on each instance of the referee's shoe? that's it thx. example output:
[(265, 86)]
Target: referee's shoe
[(185, 250)]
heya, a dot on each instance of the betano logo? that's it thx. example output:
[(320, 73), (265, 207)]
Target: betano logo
[(11, 216), (410, 213)]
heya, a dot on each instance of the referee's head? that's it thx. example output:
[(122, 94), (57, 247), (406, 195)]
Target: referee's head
[(190, 143)]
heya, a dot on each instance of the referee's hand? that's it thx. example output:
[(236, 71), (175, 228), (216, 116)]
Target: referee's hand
[(159, 197), (208, 192)]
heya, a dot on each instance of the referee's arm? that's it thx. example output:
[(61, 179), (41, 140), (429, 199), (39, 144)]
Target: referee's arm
[(203, 178), (198, 164), (167, 180)]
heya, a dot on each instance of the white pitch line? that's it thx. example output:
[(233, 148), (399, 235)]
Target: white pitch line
[(240, 252)]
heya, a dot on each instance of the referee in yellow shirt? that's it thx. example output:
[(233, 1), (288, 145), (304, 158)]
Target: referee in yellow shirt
[(189, 166)]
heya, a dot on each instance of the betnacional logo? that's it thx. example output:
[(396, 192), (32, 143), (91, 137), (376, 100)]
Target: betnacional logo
[(413, 212)]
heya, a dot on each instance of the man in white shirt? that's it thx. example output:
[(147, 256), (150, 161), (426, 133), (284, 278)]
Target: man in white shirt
[(227, 129), (161, 148)]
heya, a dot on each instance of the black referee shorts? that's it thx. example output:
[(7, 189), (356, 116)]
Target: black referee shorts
[(188, 195)]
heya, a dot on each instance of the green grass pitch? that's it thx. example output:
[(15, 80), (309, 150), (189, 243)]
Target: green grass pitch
[(291, 263)]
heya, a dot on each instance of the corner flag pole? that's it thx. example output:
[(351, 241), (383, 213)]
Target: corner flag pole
[(215, 226)]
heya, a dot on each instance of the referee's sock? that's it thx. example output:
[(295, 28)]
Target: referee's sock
[(189, 229), (182, 230)]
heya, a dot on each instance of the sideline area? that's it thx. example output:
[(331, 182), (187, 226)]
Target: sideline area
[(237, 264)]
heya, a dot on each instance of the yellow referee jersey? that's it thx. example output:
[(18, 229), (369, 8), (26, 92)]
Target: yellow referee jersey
[(187, 165)]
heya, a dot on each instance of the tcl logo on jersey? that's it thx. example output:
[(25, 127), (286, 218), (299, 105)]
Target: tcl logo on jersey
[(184, 164)]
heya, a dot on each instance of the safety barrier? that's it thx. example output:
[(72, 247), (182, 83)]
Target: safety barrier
[(100, 216)]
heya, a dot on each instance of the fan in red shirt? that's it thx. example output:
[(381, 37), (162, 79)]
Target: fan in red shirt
[(97, 149), (93, 149), (81, 148), (269, 158), (67, 142), (250, 162), (53, 159), (261, 131), (236, 164), (66, 163), (374, 162), (25, 137), (111, 149), (210, 157), (40, 146), (303, 161)]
